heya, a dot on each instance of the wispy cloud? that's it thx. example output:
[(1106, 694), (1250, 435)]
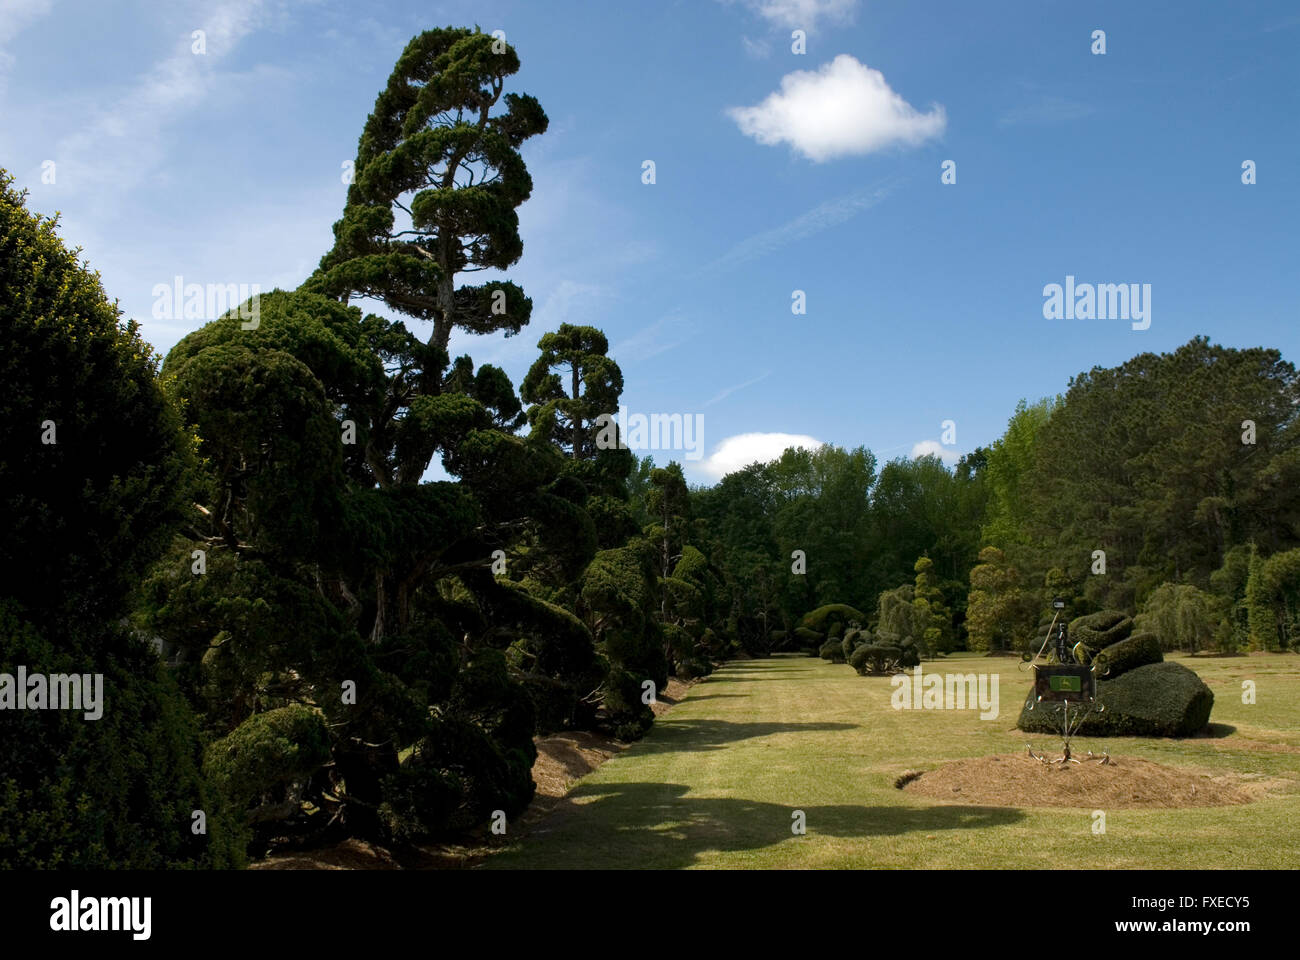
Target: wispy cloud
[(15, 17), (728, 391), (801, 14), (661, 336), (125, 141), (1046, 110), (821, 217)]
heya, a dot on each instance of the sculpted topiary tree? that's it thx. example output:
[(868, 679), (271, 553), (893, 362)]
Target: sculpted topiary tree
[(933, 616), (571, 384), (1000, 614), (438, 180), (410, 617)]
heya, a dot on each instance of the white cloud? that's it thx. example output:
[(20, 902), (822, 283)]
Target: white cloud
[(846, 108), (802, 14), (756, 49), (736, 453), (932, 448)]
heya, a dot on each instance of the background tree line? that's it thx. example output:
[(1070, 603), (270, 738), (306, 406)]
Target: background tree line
[(1164, 487)]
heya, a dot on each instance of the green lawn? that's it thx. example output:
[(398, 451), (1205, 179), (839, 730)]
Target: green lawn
[(715, 781)]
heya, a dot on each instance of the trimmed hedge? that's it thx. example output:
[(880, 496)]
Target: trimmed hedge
[(853, 639), (1155, 700), (833, 651), (809, 638), (1137, 651), (1100, 630), (822, 618), (877, 658)]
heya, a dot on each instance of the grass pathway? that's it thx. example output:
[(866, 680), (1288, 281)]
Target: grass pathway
[(715, 782)]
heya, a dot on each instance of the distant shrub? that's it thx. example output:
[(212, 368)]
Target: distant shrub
[(853, 638), (833, 651), (809, 638), (877, 658), (822, 618)]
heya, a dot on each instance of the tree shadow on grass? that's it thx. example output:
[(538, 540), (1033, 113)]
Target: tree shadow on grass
[(703, 734), (1215, 731), (655, 825)]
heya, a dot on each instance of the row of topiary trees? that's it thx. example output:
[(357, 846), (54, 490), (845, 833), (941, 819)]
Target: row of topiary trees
[(348, 650)]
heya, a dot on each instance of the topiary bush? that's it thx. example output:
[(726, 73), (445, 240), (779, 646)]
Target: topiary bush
[(853, 639), (832, 650), (1155, 700), (263, 762), (877, 658), (822, 619), (809, 638), (1136, 651), (1099, 630)]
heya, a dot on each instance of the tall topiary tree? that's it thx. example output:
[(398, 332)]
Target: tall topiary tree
[(438, 180), (933, 616), (1000, 614)]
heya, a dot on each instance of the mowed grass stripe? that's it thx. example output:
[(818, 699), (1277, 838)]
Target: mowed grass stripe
[(715, 781)]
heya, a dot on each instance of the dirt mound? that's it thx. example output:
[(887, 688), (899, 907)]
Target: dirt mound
[(1018, 780)]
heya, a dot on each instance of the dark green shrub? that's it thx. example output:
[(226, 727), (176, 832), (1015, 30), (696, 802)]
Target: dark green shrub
[(1156, 700), (877, 658), (1136, 651), (832, 650), (854, 638), (260, 763), (809, 638), (823, 618), (83, 515)]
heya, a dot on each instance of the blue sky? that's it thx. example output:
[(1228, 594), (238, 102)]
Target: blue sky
[(774, 172)]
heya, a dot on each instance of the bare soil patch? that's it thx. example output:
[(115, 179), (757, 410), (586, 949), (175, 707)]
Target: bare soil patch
[(1017, 780)]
